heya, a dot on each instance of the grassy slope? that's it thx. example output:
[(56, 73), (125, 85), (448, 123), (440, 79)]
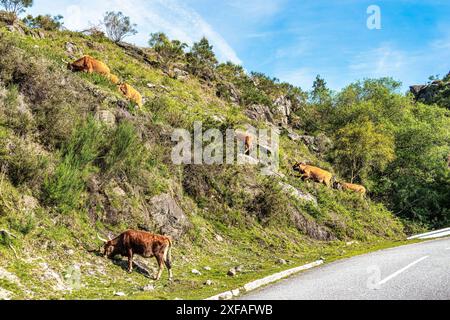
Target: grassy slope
[(53, 245)]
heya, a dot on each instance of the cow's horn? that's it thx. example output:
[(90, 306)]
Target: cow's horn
[(101, 239)]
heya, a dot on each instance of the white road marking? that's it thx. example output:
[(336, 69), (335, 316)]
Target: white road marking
[(395, 274)]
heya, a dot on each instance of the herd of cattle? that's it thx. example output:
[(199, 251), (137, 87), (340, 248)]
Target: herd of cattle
[(91, 65), (322, 176), (149, 245)]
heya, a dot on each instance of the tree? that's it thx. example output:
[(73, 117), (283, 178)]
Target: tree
[(361, 148), (320, 92), (46, 22), (118, 26), (201, 60), (168, 51), (16, 6)]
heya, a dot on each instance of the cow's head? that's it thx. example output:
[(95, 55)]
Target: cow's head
[(109, 247), (299, 167), (337, 185), (123, 88)]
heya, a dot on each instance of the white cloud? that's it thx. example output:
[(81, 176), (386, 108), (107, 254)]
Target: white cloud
[(172, 17), (379, 62)]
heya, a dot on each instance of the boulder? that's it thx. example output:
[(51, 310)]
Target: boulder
[(148, 288), (228, 91), (72, 50), (180, 74), (430, 93), (196, 272), (299, 195), (259, 112), (167, 216), (310, 228), (294, 136), (106, 117), (308, 140), (5, 294), (243, 159), (283, 108), (208, 283), (232, 272), (323, 143)]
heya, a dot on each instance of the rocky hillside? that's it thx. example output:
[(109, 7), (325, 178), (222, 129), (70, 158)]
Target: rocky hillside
[(78, 159), (435, 92)]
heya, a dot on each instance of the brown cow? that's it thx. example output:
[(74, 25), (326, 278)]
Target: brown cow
[(90, 65), (131, 93), (248, 145), (314, 173), (351, 187), (142, 243), (248, 140)]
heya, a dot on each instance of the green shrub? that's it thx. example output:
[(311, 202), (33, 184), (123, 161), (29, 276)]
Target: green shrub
[(124, 153), (14, 113), (65, 187), (23, 162)]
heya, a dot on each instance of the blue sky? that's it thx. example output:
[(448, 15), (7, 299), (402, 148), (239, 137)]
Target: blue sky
[(293, 40)]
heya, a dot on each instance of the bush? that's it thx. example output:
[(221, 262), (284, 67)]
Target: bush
[(23, 162), (270, 203), (124, 153), (65, 187), (14, 113), (46, 22)]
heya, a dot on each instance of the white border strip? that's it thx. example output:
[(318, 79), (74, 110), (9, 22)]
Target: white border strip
[(264, 281)]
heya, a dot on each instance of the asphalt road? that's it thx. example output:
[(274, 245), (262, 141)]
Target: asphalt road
[(416, 271)]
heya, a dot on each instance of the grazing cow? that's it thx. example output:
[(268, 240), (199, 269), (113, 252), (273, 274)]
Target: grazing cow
[(314, 173), (248, 145), (131, 93), (142, 243), (114, 79), (351, 187), (248, 140), (89, 65)]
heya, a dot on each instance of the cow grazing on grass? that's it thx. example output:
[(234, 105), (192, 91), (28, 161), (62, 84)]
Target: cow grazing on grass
[(131, 94), (351, 187), (248, 145), (313, 173), (89, 65), (248, 140), (142, 243)]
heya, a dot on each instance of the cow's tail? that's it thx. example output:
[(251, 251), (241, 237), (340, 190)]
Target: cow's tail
[(168, 254)]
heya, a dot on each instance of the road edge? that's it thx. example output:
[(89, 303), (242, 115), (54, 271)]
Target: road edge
[(251, 286)]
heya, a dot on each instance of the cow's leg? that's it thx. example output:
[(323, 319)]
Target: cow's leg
[(160, 261), (168, 262), (130, 260)]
